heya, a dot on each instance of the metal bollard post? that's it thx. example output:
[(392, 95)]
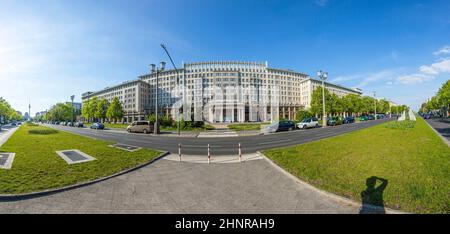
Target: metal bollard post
[(209, 155), (179, 151), (240, 152)]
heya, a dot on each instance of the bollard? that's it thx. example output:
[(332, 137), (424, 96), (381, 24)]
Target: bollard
[(240, 152), (209, 155), (179, 151)]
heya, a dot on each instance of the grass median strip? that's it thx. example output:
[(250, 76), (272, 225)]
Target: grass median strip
[(37, 166), (411, 159)]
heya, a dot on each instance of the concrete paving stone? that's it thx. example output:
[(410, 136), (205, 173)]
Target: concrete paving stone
[(170, 187)]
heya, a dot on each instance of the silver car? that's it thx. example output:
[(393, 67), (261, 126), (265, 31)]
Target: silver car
[(140, 126), (308, 123)]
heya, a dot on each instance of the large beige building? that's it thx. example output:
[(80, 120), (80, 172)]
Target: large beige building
[(308, 85), (253, 84), (133, 95)]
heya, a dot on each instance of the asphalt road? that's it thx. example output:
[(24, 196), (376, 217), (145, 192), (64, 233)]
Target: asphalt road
[(441, 125), (220, 145)]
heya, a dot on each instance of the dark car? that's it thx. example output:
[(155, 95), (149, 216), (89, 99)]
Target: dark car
[(426, 116), (79, 124), (97, 126), (381, 116), (348, 120), (370, 117), (333, 121), (285, 125)]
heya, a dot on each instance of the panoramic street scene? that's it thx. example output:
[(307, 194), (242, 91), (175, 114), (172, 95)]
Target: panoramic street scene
[(225, 107)]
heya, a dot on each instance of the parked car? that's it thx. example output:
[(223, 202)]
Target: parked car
[(381, 116), (13, 124), (363, 118), (371, 117), (426, 116), (141, 126), (79, 124), (285, 125), (348, 120), (97, 126), (308, 123), (333, 121)]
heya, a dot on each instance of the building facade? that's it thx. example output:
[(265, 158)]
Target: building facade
[(133, 95), (308, 85), (254, 92)]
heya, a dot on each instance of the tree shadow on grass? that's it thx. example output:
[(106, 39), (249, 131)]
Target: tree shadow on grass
[(372, 197)]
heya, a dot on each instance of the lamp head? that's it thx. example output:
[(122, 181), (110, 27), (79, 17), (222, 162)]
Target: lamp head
[(325, 75), (319, 74), (152, 68)]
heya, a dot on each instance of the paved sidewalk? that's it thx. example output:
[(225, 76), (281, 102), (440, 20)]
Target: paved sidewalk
[(218, 133), (6, 133), (220, 159), (172, 187)]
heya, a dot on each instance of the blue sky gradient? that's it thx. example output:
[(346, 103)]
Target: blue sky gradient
[(50, 50)]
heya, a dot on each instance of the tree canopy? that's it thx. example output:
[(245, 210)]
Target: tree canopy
[(350, 104), (440, 101)]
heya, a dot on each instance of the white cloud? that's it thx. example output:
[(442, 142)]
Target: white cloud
[(413, 79), (443, 50), (436, 68)]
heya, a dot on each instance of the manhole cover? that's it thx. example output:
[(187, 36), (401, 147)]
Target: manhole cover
[(126, 147), (6, 160), (74, 156)]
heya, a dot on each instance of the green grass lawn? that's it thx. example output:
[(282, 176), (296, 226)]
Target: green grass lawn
[(246, 126), (37, 167), (414, 160), (188, 129)]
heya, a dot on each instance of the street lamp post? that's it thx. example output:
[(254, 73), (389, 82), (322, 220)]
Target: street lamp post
[(71, 98), (375, 101), (154, 69), (323, 76), (178, 82)]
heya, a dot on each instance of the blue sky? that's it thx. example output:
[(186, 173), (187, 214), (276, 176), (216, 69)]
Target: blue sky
[(50, 50)]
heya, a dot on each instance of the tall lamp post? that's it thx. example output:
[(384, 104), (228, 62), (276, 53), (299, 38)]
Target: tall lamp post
[(159, 69), (375, 102), (323, 76), (178, 81), (71, 98)]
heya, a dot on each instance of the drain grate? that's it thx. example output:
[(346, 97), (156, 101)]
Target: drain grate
[(126, 147), (74, 156), (6, 160)]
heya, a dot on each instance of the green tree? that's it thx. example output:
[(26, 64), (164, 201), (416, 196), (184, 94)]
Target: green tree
[(115, 110), (316, 101), (302, 114), (351, 103), (85, 111), (382, 106), (101, 109), (444, 94), (367, 105)]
